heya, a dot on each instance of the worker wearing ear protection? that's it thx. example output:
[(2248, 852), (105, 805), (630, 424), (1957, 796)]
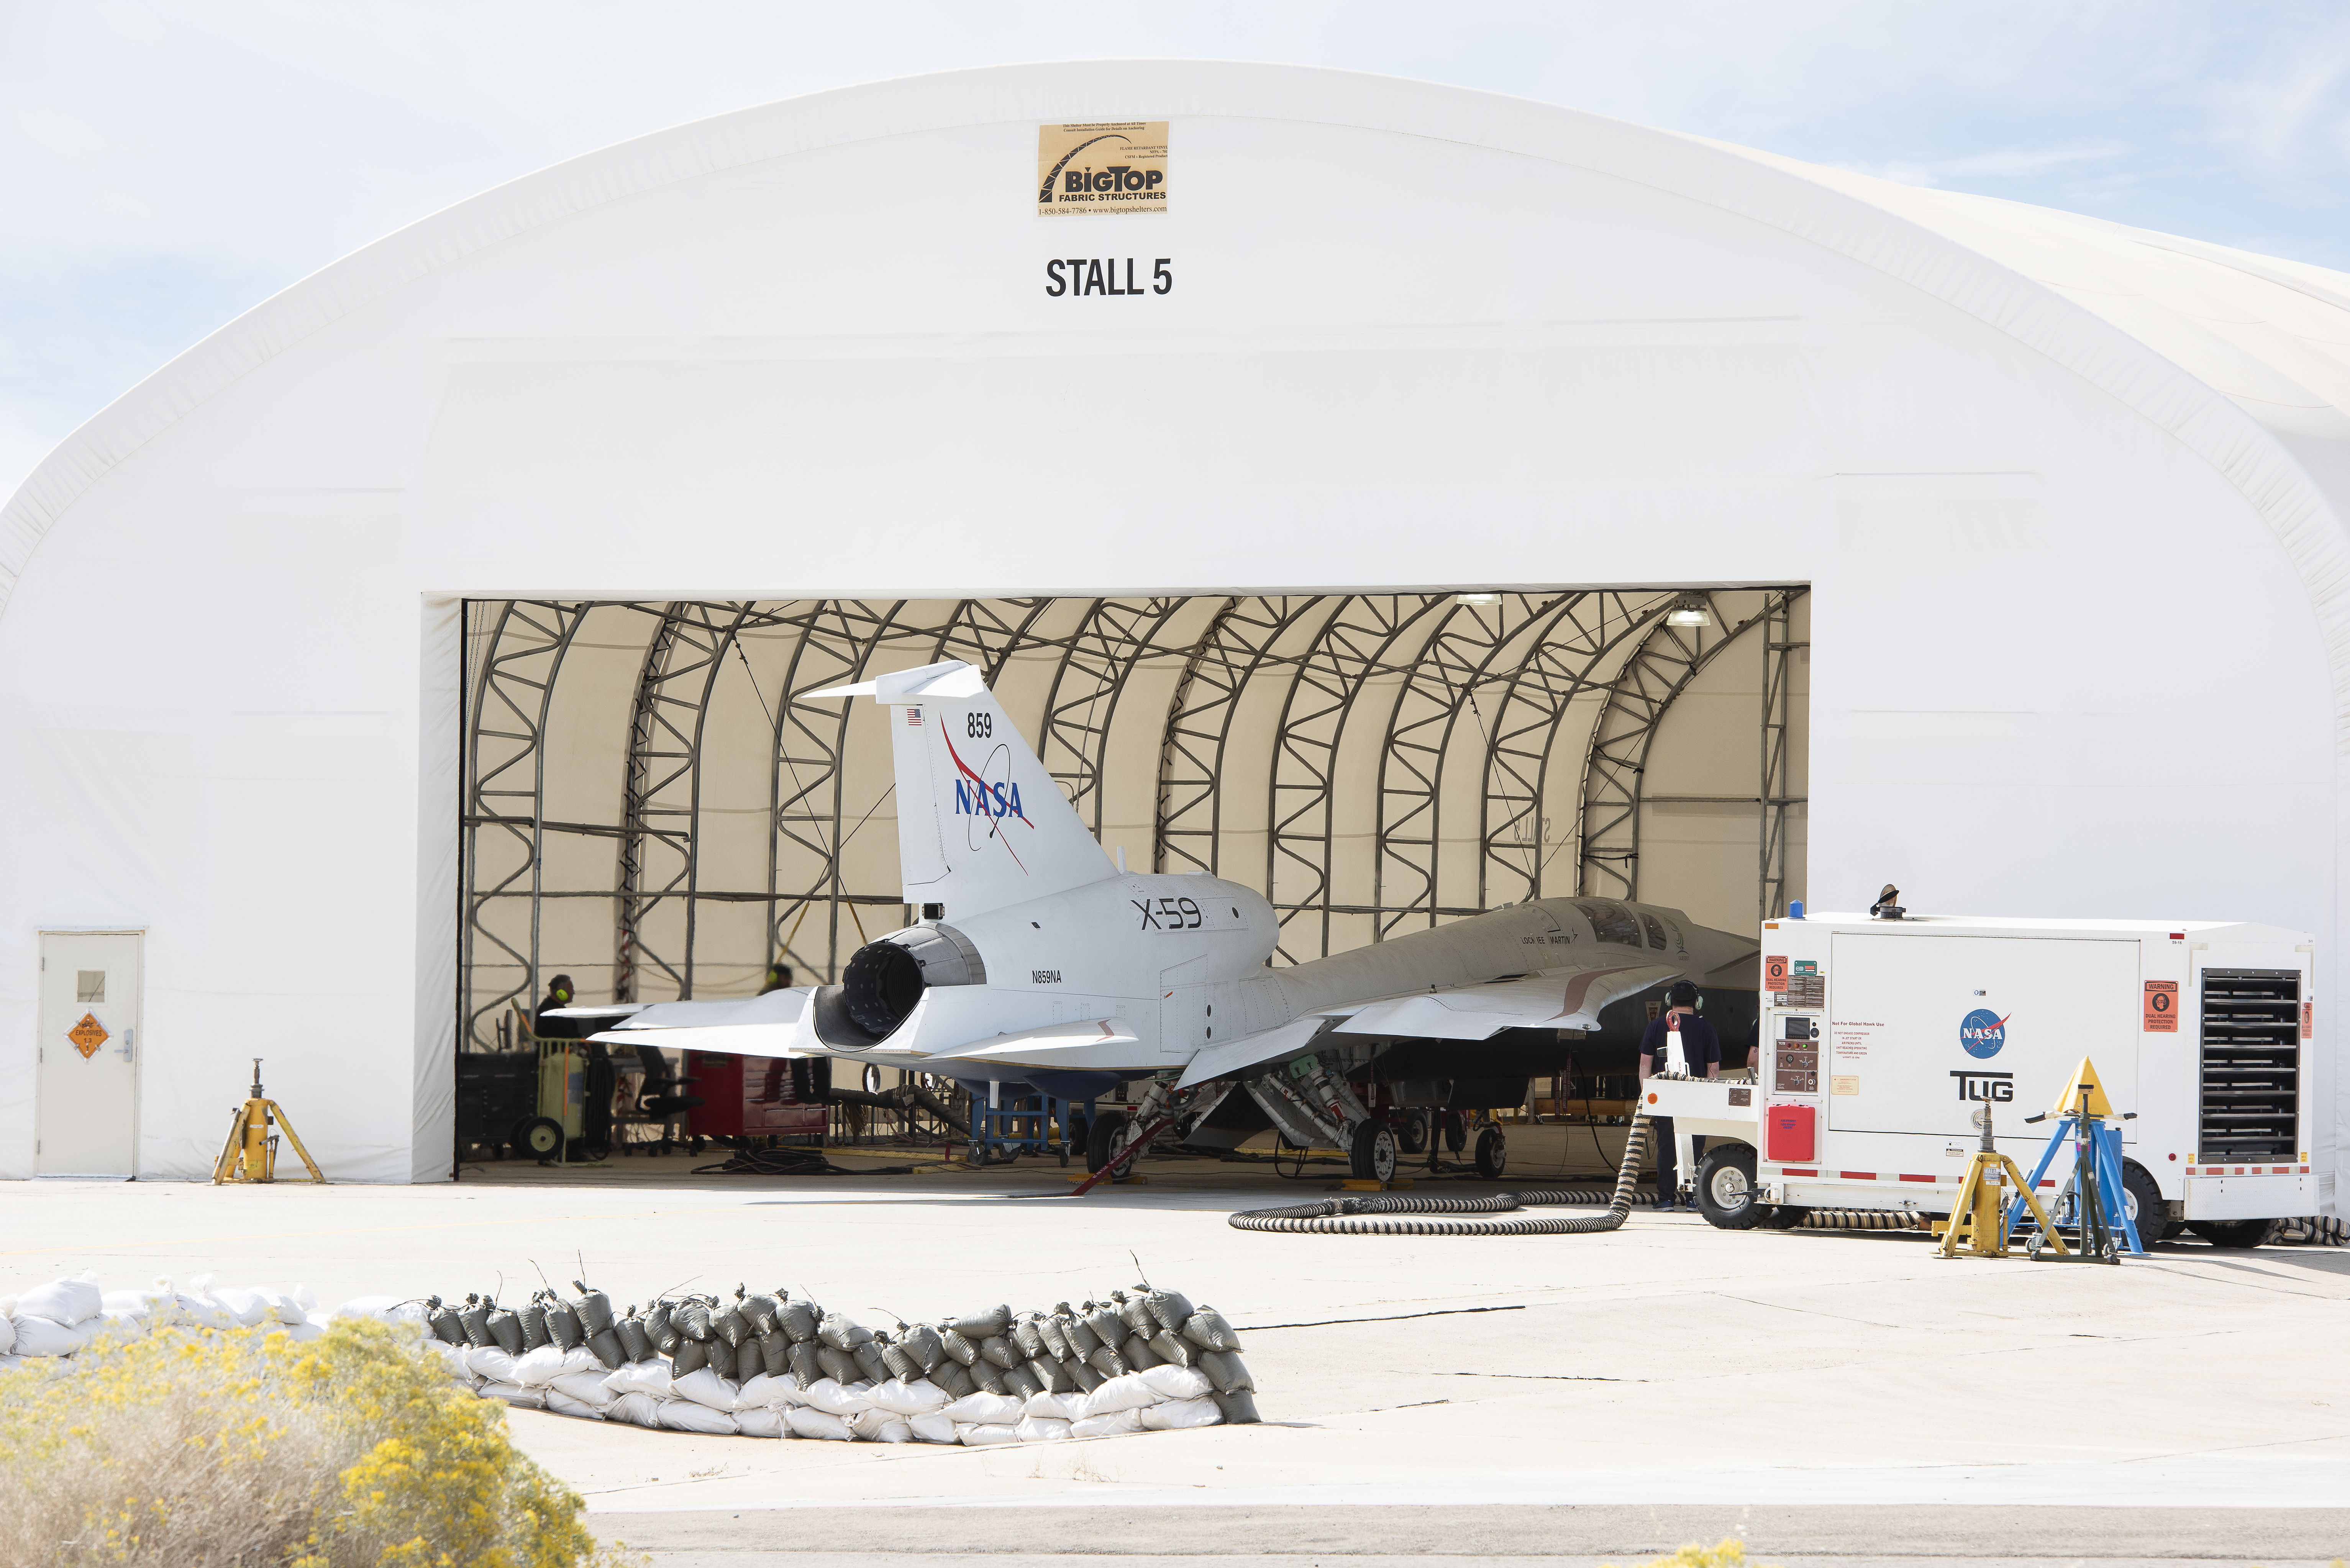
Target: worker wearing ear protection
[(1701, 1058)]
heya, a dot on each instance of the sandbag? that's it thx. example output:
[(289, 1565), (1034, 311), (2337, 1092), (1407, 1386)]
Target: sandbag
[(506, 1330), (759, 1311), (1082, 1340), (869, 1364), (1134, 1312), (691, 1318), (1116, 1424), (913, 1398), (1021, 1381), (931, 1429), (634, 1341), (46, 1336), (980, 1409), (129, 1322), (515, 1393), (583, 1387), (537, 1368), (922, 1343), (452, 1360), (1167, 1308), (986, 1434), (1181, 1415), (1240, 1410), (837, 1365), (730, 1325), (1001, 1351), (1057, 1343), (707, 1389), (1138, 1352), (532, 1318), (775, 1353), (490, 1363), (473, 1317), (963, 1350), (803, 1363), (806, 1421), (250, 1309), (880, 1427), (691, 1415), (442, 1320), (1107, 1362), (759, 1423), (1026, 1340), (798, 1321), (721, 1355), (376, 1309), (841, 1333), (65, 1303), (1054, 1407), (1051, 1376), (760, 1393), (1176, 1382), (954, 1378), (1207, 1329), (1085, 1376), (649, 1377), (7, 1333), (563, 1404), (661, 1331), (563, 1325), (985, 1324), (607, 1347), (986, 1376), (594, 1309), (692, 1355), (636, 1409), (1104, 1321), (1225, 1370), (898, 1359), (1127, 1393), (834, 1398), (1036, 1429)]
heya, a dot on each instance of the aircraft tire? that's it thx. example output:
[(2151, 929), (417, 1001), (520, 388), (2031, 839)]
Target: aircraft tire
[(1784, 1217), (2148, 1211), (1417, 1132), (1101, 1141), (1725, 1187), (1493, 1154), (1374, 1154)]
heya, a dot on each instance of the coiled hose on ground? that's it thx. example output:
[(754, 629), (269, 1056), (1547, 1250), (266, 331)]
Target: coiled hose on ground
[(1462, 1216)]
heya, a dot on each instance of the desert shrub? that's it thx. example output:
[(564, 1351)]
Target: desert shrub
[(231, 1449), (1729, 1554)]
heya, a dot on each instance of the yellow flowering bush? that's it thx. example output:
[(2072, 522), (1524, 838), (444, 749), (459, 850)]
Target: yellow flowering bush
[(207, 1448), (1729, 1554)]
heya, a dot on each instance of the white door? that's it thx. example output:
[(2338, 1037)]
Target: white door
[(88, 1117)]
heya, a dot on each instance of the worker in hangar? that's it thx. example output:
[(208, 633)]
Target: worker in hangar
[(1701, 1054), (602, 1075)]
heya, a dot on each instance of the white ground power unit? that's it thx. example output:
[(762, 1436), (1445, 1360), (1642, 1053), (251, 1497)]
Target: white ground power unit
[(1883, 1042)]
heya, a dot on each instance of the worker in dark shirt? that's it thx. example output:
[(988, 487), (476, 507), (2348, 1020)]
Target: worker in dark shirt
[(599, 1078), (558, 994), (1701, 1053)]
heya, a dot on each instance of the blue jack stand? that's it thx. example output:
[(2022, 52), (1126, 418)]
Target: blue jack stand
[(2094, 1187)]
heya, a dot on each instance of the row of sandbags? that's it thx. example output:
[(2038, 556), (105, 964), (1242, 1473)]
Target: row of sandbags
[(56, 1320), (766, 1365)]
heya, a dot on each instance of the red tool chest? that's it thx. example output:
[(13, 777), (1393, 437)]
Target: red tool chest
[(1787, 1133), (749, 1097)]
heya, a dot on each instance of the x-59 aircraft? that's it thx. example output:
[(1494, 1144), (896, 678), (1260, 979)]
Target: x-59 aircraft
[(1039, 961)]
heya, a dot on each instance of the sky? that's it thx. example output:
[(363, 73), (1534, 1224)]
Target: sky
[(164, 168)]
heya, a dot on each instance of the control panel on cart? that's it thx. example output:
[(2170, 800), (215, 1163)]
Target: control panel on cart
[(1884, 1042)]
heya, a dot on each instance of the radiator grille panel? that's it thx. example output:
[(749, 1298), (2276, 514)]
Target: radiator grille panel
[(2251, 1064)]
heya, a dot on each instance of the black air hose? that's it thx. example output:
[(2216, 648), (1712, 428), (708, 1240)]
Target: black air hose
[(1480, 1216), (1865, 1219)]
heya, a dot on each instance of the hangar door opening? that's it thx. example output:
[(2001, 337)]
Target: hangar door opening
[(653, 806)]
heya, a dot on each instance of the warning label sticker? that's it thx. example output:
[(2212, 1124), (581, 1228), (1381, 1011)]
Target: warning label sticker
[(2308, 1018), (88, 1036), (1844, 1084), (1774, 974), (2162, 1007), (1806, 986)]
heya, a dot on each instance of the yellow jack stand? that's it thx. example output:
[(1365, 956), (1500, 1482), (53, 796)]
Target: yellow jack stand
[(251, 1153), (1979, 1213)]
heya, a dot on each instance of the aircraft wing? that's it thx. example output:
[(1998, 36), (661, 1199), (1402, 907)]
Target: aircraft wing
[(769, 1025), (1556, 998), (1095, 1045)]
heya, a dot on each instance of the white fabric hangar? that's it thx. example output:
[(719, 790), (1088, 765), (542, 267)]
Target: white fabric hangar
[(2067, 500)]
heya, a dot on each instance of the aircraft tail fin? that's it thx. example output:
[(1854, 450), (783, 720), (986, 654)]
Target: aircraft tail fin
[(981, 825)]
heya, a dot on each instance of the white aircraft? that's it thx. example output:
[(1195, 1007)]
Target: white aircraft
[(1039, 961)]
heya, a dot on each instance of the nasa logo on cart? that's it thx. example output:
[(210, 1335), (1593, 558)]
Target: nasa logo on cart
[(1983, 1033)]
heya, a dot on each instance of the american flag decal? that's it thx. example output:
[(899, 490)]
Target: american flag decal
[(914, 718)]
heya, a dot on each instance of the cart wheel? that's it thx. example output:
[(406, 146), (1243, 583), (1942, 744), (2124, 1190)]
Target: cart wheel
[(540, 1136), (2143, 1198), (1374, 1154), (1725, 1187), (697, 1145), (1493, 1154), (1064, 1152)]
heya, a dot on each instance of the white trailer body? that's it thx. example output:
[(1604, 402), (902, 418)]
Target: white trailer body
[(1881, 1041)]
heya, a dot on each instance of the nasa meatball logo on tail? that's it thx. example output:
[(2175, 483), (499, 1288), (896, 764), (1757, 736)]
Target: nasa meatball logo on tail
[(981, 825)]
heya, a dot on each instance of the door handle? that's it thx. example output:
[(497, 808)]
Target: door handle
[(127, 1036)]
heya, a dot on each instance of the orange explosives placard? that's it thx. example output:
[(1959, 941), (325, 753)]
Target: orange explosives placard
[(1774, 974), (88, 1036), (2162, 1007)]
